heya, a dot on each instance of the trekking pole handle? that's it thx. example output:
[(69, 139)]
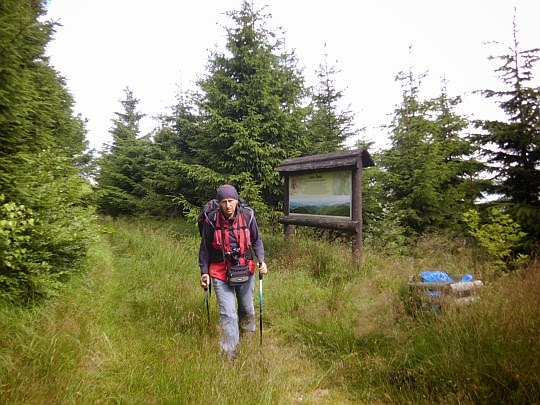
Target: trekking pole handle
[(205, 288), (261, 274)]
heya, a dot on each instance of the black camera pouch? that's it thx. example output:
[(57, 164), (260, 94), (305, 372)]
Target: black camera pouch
[(238, 274)]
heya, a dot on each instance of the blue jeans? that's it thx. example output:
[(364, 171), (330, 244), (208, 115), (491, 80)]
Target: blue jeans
[(230, 316)]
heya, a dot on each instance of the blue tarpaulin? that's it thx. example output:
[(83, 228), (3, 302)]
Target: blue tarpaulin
[(438, 276)]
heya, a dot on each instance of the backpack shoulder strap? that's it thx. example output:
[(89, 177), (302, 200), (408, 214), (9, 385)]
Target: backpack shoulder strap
[(210, 217), (248, 214)]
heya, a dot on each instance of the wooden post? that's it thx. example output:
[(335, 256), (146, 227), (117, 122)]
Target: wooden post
[(289, 232), (357, 212), (289, 229)]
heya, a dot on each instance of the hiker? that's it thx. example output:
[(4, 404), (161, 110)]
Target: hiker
[(229, 237)]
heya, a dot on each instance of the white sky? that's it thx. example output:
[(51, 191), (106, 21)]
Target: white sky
[(157, 47)]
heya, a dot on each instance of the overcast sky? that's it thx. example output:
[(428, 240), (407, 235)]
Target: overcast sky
[(158, 47)]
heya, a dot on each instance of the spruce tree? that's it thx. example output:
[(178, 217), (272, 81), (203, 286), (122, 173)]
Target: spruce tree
[(179, 132), (512, 148), (430, 175), (44, 217), (123, 165), (329, 126), (35, 106), (250, 105), (176, 173), (411, 172), (459, 183)]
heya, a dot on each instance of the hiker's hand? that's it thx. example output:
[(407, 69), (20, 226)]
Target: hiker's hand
[(262, 268), (205, 280)]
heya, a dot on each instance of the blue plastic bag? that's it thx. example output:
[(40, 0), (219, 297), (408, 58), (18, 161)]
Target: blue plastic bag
[(436, 276)]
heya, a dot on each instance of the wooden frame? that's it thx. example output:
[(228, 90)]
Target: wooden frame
[(353, 160)]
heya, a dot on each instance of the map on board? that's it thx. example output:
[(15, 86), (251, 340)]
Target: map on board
[(326, 194)]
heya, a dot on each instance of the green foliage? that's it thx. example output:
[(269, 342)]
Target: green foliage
[(429, 173), (124, 165), (16, 267), (45, 220), (35, 107), (195, 183), (22, 68), (512, 148), (243, 123), (328, 126), (245, 186), (389, 236), (381, 226), (500, 238), (266, 215), (177, 179), (45, 242), (250, 104), (247, 117), (181, 133)]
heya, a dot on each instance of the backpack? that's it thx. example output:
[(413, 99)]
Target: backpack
[(213, 205)]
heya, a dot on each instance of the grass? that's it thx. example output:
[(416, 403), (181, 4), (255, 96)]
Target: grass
[(133, 328)]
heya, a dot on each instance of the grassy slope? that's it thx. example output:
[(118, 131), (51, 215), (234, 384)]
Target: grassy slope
[(133, 329)]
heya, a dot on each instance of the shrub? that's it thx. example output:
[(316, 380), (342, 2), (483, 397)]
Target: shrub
[(499, 239), (43, 240)]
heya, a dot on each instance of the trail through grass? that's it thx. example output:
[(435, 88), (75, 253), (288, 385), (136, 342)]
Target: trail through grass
[(134, 329)]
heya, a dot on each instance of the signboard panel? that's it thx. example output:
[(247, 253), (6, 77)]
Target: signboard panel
[(322, 193)]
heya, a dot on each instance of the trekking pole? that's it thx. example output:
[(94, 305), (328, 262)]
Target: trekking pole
[(208, 293), (260, 306), (207, 306)]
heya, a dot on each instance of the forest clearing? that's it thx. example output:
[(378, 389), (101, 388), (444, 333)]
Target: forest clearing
[(101, 260)]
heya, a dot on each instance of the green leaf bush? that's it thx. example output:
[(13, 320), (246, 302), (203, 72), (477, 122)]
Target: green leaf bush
[(43, 241), (499, 238)]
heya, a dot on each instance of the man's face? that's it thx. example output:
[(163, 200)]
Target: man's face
[(228, 206)]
